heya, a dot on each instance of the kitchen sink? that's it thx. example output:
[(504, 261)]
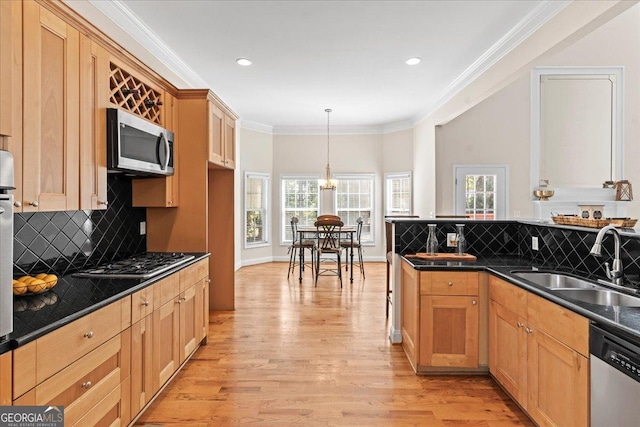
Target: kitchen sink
[(551, 280), (599, 297)]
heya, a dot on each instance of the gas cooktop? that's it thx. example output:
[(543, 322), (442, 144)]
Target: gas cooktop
[(141, 266)]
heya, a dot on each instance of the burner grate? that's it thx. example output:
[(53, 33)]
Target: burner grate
[(138, 267)]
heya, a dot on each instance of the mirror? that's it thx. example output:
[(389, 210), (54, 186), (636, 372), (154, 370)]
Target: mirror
[(576, 126)]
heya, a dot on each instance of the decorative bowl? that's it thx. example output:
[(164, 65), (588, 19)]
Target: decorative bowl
[(543, 194), (29, 285)]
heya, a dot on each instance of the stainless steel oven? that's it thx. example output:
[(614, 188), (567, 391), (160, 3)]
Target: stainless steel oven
[(6, 243)]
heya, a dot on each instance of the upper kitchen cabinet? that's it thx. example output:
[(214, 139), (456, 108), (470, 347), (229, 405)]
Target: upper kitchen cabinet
[(94, 95), (51, 111), (222, 137), (162, 192), (5, 67)]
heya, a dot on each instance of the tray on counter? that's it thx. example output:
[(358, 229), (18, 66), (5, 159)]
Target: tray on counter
[(443, 256), (594, 223)]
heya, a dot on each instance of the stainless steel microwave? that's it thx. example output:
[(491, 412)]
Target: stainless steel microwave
[(136, 146)]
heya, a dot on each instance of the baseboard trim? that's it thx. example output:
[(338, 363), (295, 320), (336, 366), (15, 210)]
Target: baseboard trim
[(395, 336)]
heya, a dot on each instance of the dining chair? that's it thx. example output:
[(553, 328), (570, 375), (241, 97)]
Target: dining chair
[(328, 249), (298, 244), (356, 244), (325, 217)]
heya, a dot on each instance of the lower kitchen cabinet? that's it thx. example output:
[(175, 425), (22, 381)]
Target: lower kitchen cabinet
[(539, 354), (166, 342), (440, 319), (142, 388), (94, 389)]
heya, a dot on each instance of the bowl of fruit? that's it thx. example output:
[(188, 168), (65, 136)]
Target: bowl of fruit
[(34, 285)]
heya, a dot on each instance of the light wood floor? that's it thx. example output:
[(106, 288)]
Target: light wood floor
[(295, 355)]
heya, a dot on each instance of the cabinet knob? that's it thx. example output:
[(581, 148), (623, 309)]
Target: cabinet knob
[(88, 334), (170, 203), (179, 301), (520, 324), (450, 283), (34, 204), (208, 280), (87, 385), (474, 302), (17, 204), (529, 331), (103, 202), (145, 303)]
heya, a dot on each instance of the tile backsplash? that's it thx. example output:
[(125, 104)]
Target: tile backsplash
[(566, 247), (64, 242)]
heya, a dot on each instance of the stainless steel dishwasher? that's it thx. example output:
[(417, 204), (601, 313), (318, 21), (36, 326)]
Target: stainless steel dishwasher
[(615, 379)]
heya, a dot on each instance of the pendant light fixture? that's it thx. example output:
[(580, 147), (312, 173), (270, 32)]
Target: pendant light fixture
[(328, 183)]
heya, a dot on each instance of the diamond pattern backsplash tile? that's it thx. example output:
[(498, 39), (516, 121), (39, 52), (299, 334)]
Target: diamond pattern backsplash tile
[(64, 242), (489, 238)]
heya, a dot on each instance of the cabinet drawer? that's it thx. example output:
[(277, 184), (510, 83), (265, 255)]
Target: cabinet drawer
[(166, 289), (63, 346), (508, 295), (142, 303), (448, 283), (193, 274), (85, 383), (564, 325)]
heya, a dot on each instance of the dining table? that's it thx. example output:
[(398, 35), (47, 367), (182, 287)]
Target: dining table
[(307, 232)]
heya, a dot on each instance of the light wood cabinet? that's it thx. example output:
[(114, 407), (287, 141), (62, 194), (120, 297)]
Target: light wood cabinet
[(440, 319), (5, 378), (51, 91), (162, 192), (142, 376), (539, 354), (222, 139), (6, 73), (94, 95), (166, 342)]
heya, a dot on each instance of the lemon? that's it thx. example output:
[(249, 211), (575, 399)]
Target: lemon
[(29, 280), (19, 288), (51, 280), (37, 285), (41, 276), (23, 278)]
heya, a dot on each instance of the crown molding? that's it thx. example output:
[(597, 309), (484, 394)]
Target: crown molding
[(254, 126), (322, 130), (535, 19), (123, 17)]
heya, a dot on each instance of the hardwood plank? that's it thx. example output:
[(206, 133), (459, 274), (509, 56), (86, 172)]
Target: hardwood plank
[(298, 355)]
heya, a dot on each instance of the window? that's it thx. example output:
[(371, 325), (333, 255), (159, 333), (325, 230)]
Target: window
[(354, 198), (481, 191), (300, 198), (256, 191), (398, 193)]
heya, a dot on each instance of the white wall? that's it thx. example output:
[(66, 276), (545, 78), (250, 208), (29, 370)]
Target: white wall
[(571, 24), (497, 130)]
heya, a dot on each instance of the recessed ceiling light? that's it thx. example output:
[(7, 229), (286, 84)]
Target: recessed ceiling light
[(413, 61), (244, 61)]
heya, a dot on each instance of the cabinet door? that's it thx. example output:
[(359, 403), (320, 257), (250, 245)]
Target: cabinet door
[(51, 112), (410, 288), (94, 99), (558, 381), (202, 303), (141, 364), (5, 67), (216, 134), (14, 143), (229, 142), (166, 342), (449, 331), (508, 351), (190, 326)]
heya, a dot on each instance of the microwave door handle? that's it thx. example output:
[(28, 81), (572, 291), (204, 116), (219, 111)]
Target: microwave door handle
[(164, 161)]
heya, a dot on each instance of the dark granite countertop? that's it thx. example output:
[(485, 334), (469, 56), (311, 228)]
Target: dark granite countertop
[(617, 319), (71, 299)]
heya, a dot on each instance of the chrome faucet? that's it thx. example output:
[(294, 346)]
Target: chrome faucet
[(615, 272)]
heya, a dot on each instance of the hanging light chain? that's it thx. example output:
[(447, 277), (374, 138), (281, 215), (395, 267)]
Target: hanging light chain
[(328, 111)]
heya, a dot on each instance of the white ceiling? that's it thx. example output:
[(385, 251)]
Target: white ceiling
[(312, 55)]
